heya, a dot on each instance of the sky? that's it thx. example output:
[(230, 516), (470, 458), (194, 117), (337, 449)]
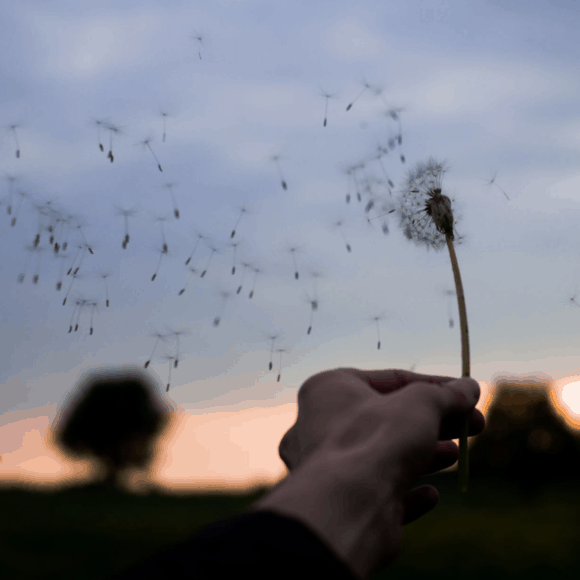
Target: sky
[(490, 88)]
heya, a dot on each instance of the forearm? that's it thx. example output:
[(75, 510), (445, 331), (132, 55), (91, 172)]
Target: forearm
[(352, 517)]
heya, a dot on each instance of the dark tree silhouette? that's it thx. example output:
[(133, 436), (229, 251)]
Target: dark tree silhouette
[(525, 444), (115, 417)]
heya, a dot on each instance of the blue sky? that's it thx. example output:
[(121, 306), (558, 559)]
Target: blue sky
[(487, 86)]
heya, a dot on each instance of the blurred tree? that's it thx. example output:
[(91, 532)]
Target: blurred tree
[(115, 418), (525, 442)]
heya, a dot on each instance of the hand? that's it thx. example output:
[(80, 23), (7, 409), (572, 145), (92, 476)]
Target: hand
[(327, 398), (361, 439)]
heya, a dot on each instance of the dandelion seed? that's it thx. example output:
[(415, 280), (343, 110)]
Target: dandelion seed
[(104, 275), (147, 143), (77, 305), (199, 238), (326, 96), (313, 308), (93, 304), (449, 294), (367, 87), (272, 338), (79, 227), (126, 213), (62, 258), (12, 179), (280, 350), (75, 276), (213, 251), (158, 336), (276, 159), (168, 358), (177, 334), (113, 130), (22, 195), (13, 128), (85, 247), (191, 272), (170, 187), (163, 251), (198, 38), (376, 319), (234, 245), (492, 182), (256, 272), (435, 227), (293, 251), (162, 219), (338, 224), (164, 115), (246, 266), (243, 210), (225, 297), (80, 304)]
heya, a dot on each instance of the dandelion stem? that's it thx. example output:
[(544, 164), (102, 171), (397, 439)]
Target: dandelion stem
[(463, 466)]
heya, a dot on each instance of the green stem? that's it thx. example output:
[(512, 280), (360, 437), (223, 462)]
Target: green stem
[(463, 467)]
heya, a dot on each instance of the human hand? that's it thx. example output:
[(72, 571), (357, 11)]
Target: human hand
[(361, 439)]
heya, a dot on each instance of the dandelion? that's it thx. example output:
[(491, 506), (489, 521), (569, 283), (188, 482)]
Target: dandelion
[(427, 218), (367, 87), (272, 338), (147, 143), (126, 213), (246, 266), (280, 350), (168, 358), (13, 128), (199, 238), (256, 272), (338, 224), (225, 297), (492, 182), (104, 275), (113, 130), (243, 210), (159, 337), (326, 96), (276, 159), (170, 187), (213, 251)]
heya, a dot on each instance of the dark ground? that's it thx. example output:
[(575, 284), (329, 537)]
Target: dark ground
[(86, 533)]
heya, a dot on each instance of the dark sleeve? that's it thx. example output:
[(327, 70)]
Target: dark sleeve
[(255, 545)]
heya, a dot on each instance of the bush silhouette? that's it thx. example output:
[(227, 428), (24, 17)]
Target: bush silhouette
[(114, 416), (525, 442)]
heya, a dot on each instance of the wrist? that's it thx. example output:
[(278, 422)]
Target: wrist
[(356, 517)]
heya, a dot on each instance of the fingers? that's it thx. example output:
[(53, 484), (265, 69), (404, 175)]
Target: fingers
[(419, 501)]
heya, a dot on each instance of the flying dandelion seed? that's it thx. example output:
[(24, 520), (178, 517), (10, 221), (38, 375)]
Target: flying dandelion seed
[(276, 159), (147, 143), (22, 195), (367, 87), (293, 250), (338, 224), (199, 238), (113, 130), (280, 350), (170, 187), (177, 334), (313, 308), (234, 245), (31, 249), (435, 227), (191, 272), (376, 320), (78, 305), (449, 293), (126, 213), (246, 266), (256, 272), (213, 251), (93, 304), (163, 251), (79, 249), (225, 297), (104, 275), (164, 114), (74, 278), (326, 96), (169, 359), (62, 258), (83, 254), (12, 179), (198, 38), (13, 128), (243, 210), (79, 227), (161, 220), (159, 337), (272, 337), (492, 182), (100, 124)]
